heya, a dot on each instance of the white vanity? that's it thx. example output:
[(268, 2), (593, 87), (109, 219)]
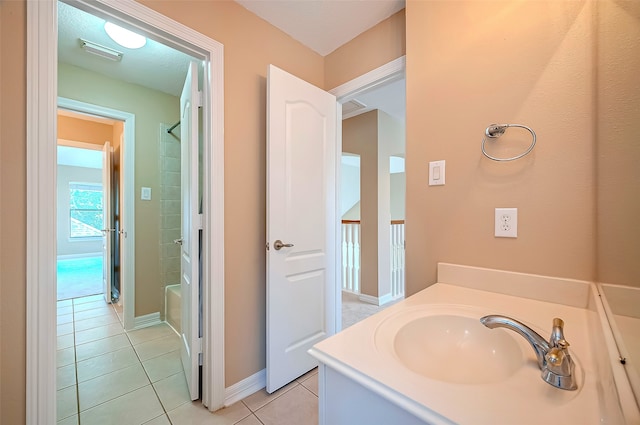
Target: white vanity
[(429, 360)]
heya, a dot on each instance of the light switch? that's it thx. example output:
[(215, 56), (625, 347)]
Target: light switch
[(145, 193), (436, 173)]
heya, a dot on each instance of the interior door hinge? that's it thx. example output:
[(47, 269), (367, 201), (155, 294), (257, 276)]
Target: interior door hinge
[(200, 221), (199, 351), (199, 99)]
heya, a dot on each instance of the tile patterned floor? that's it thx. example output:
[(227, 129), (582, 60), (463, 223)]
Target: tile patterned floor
[(108, 376)]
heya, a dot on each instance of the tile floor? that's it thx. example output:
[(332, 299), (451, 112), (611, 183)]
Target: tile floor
[(108, 376)]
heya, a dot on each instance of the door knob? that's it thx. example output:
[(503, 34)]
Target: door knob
[(177, 241), (278, 245)]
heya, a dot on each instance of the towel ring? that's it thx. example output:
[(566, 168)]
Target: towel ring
[(496, 130)]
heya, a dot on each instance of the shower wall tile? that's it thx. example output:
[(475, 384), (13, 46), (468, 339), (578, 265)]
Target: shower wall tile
[(172, 150), (170, 208), (170, 178), (171, 164)]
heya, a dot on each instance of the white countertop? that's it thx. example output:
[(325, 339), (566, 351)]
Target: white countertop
[(522, 399)]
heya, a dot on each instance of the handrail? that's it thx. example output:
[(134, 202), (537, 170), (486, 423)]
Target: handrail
[(358, 221)]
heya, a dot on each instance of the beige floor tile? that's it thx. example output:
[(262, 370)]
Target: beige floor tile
[(100, 332), (196, 414), (311, 384), (106, 363), (172, 391), (160, 420), (66, 402), (250, 420), (88, 299), (66, 376), (64, 310), (308, 375), (296, 407), (94, 312), (65, 329), (134, 408), (65, 341), (101, 346), (157, 347), (112, 385), (139, 336), (65, 357), (94, 322), (258, 399), (163, 366), (64, 318), (92, 305), (71, 420)]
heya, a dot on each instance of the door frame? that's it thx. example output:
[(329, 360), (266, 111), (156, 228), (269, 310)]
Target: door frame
[(42, 63), (385, 74), (127, 223)]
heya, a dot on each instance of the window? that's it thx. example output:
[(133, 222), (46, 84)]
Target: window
[(85, 210)]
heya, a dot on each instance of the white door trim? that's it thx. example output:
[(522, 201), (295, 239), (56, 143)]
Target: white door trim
[(127, 275), (41, 173), (385, 74)]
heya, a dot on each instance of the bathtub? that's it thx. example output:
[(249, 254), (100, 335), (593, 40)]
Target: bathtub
[(173, 303)]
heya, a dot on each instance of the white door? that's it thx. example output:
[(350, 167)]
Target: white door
[(107, 228), (301, 212), (189, 262)]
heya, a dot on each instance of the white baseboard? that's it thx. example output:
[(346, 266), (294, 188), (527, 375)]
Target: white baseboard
[(245, 388), (370, 299), (147, 320)]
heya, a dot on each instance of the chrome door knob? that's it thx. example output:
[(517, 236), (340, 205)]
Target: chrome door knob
[(278, 245), (177, 241)]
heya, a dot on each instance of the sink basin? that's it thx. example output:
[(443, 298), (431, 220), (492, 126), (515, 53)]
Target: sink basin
[(451, 345)]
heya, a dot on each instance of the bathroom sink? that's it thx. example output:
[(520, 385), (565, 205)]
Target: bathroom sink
[(451, 345)]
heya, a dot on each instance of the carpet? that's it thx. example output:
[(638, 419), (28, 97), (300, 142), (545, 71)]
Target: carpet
[(79, 277)]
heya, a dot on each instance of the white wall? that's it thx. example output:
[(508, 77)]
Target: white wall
[(349, 190), (68, 174), (398, 195)]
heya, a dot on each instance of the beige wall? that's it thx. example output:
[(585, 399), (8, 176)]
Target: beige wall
[(374, 136), (151, 108), (371, 49), (618, 135), (360, 136), (468, 64), (247, 54), (87, 131), (472, 63), (13, 190), (250, 45)]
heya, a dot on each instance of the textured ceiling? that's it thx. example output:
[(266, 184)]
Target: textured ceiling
[(154, 65), (323, 25)]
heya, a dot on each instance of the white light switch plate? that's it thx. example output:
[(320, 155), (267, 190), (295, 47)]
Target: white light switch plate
[(436, 173), (145, 193)]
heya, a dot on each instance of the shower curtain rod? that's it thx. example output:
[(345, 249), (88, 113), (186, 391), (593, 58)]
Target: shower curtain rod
[(173, 126)]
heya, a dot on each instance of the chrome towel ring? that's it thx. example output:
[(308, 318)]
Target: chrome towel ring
[(496, 130)]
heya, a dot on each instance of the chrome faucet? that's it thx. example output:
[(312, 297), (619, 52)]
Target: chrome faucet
[(553, 357)]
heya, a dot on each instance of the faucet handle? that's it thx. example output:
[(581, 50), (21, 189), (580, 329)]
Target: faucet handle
[(557, 333)]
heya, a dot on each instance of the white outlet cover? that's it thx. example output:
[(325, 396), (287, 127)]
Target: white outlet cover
[(506, 223)]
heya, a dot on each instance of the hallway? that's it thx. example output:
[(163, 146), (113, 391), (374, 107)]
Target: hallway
[(109, 376)]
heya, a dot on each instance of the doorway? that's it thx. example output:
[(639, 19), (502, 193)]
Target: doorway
[(80, 221), (372, 104), (41, 168)]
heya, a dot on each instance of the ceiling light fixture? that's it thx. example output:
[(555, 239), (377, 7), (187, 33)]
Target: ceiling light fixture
[(124, 37), (102, 51)]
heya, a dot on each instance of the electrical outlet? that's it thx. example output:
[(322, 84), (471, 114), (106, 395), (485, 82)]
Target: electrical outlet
[(506, 223)]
